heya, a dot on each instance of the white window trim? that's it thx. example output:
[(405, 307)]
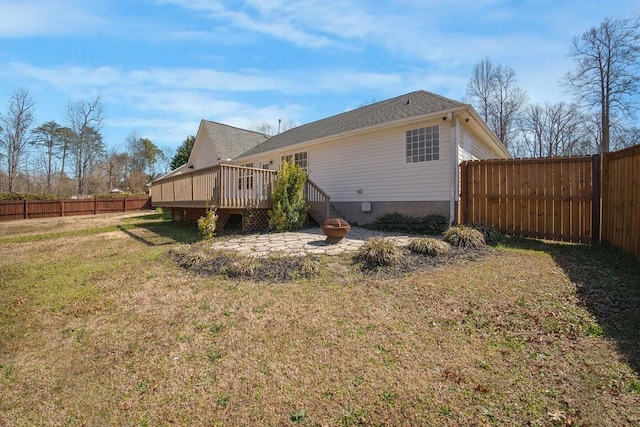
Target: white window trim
[(406, 158)]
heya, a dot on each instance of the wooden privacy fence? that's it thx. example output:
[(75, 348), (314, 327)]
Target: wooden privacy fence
[(26, 209), (621, 199), (577, 199), (547, 198)]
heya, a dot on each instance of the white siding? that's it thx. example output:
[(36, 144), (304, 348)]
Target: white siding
[(375, 162), (470, 148), (204, 153)]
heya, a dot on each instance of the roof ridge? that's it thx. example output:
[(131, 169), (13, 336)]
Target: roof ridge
[(378, 103), (234, 127)]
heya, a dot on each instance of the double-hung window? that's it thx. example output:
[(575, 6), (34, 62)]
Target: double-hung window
[(300, 159), (423, 144)]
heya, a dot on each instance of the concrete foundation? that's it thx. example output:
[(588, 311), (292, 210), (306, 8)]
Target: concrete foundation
[(353, 213)]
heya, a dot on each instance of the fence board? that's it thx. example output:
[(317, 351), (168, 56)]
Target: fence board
[(544, 198), (621, 199), (30, 209)]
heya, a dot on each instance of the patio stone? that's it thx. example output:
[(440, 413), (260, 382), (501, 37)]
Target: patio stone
[(301, 242)]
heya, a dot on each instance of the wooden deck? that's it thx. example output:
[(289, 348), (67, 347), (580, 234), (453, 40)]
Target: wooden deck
[(229, 188)]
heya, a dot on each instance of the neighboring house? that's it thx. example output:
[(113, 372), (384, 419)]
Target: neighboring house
[(399, 155)]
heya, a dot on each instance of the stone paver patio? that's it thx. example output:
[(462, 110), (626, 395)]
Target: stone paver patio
[(307, 241)]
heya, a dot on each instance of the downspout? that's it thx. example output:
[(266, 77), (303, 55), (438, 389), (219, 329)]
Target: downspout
[(453, 196)]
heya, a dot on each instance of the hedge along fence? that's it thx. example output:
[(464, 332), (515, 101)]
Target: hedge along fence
[(28, 209)]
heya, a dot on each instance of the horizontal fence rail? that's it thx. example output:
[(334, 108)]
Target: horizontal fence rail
[(28, 209), (547, 198)]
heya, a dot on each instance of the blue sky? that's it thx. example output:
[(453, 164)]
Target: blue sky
[(161, 66)]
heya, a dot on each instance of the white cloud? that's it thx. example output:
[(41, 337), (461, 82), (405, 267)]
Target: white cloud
[(28, 18), (309, 23)]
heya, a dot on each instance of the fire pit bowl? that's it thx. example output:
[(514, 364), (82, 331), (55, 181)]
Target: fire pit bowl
[(335, 229)]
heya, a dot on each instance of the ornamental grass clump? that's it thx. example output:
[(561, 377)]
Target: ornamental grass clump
[(378, 252), (463, 236), (491, 235), (429, 246)]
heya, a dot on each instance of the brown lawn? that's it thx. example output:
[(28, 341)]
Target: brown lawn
[(98, 326)]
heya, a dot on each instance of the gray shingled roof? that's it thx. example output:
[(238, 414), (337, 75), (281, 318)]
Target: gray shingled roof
[(230, 141), (405, 106)]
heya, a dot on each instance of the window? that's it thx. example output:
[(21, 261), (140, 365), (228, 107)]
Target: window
[(299, 159), (265, 165), (422, 145), (245, 180)]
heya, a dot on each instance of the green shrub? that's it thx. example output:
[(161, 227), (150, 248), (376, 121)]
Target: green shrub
[(123, 195), (289, 209), (464, 236), (491, 235), (377, 252), (207, 223), (429, 246), (27, 196), (430, 224)]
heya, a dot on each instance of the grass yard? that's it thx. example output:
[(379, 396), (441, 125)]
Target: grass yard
[(99, 326)]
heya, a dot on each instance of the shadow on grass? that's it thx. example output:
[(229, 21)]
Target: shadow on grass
[(151, 216), (608, 285), (162, 233)]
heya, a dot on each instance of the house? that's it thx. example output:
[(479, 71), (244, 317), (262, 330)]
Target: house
[(399, 155)]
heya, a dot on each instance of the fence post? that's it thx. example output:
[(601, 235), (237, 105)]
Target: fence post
[(125, 204), (25, 209), (61, 207), (464, 195), (595, 202), (95, 206)]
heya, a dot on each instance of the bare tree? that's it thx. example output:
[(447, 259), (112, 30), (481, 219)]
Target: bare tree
[(269, 130), (606, 78), (481, 87), (116, 165), (85, 120), (15, 135), (554, 130), (623, 138), (146, 159), (265, 129), (493, 92)]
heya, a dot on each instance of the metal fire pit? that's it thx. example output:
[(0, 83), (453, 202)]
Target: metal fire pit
[(335, 229)]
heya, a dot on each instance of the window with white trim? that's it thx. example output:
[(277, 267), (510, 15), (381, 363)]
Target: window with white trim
[(300, 159), (423, 144), (245, 180)]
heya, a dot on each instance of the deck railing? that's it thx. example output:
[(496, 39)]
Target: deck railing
[(230, 187), (227, 186), (318, 200)]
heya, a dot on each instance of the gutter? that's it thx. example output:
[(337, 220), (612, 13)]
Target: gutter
[(454, 123), (309, 143)]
